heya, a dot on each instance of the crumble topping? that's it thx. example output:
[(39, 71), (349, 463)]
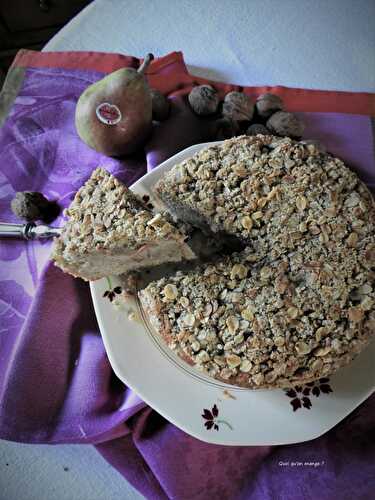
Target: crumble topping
[(272, 193), (298, 302), (276, 323), (104, 211)]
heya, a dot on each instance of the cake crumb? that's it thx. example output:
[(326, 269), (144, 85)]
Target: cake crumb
[(228, 395), (134, 316)]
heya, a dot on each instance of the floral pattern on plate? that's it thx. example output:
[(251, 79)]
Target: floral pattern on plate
[(212, 420), (300, 394), (111, 293)]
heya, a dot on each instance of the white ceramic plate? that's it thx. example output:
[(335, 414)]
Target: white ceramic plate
[(209, 410)]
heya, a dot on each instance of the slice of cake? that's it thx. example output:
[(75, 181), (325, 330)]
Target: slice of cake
[(274, 324), (110, 231)]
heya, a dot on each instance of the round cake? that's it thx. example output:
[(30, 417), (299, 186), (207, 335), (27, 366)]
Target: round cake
[(298, 302)]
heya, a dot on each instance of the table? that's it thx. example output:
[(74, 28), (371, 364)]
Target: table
[(320, 44)]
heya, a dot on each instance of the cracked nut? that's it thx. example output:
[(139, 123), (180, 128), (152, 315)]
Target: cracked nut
[(238, 107), (285, 124), (30, 205), (268, 104), (226, 128), (204, 100)]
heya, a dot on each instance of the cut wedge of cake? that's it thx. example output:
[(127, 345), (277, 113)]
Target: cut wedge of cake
[(110, 231)]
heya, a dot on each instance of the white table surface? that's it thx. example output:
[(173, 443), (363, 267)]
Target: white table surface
[(324, 44)]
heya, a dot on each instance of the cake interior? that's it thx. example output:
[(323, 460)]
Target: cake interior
[(121, 259), (111, 231)]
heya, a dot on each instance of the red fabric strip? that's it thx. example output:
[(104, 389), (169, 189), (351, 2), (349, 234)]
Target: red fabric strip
[(94, 61), (169, 71)]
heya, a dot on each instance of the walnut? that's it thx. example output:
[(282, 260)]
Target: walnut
[(257, 128), (30, 205), (238, 106), (204, 100), (285, 124), (160, 105), (267, 104), (226, 128)]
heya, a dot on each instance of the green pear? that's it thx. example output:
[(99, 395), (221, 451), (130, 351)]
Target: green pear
[(114, 115)]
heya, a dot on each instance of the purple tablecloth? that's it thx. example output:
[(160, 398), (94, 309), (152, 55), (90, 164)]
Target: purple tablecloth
[(56, 384)]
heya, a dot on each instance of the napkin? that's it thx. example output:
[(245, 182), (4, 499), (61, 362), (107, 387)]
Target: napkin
[(56, 384)]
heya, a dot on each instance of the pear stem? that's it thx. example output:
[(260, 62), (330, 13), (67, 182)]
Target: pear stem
[(146, 61)]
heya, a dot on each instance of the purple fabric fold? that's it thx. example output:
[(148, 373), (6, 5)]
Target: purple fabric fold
[(56, 383)]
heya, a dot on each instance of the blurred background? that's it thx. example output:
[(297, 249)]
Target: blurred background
[(30, 24)]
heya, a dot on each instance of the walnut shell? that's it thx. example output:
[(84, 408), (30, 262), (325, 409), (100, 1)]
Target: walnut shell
[(29, 205), (204, 100), (268, 104), (226, 128), (238, 106), (285, 124)]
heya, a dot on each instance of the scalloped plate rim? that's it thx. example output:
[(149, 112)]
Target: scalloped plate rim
[(188, 421)]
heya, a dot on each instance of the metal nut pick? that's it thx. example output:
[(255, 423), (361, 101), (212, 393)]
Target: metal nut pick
[(29, 231)]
